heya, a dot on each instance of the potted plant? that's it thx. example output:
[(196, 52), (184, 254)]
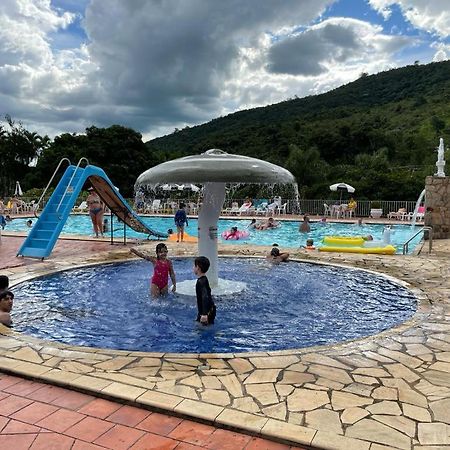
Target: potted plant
[(375, 210)]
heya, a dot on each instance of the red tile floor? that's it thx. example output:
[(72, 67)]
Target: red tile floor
[(36, 416), (39, 416)]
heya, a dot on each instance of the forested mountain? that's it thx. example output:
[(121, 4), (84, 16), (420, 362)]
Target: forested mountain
[(378, 133)]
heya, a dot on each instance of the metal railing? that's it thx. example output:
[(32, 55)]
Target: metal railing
[(69, 184), (48, 185), (422, 230), (316, 207)]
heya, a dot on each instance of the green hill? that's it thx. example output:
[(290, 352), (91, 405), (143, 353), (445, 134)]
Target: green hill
[(378, 133)]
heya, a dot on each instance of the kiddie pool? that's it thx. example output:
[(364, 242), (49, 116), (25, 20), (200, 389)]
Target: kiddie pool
[(285, 306)]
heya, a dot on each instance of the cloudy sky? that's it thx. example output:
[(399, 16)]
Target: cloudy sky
[(157, 65)]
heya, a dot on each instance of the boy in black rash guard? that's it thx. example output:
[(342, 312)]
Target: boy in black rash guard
[(205, 305)]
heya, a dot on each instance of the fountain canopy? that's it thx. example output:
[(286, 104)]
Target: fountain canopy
[(215, 166), (214, 169)]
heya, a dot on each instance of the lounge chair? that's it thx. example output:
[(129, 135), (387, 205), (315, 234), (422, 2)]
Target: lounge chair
[(261, 207), (244, 209), (401, 214), (233, 210), (420, 213), (82, 207)]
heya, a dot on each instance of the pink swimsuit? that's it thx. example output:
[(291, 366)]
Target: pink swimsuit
[(161, 273)]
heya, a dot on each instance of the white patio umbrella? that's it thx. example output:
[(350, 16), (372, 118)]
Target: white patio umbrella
[(342, 187), (188, 187), (18, 190)]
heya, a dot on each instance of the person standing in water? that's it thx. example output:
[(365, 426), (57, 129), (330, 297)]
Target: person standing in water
[(95, 211), (304, 226), (162, 268), (206, 309)]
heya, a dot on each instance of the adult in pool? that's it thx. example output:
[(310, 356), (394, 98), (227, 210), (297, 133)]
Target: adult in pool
[(96, 211)]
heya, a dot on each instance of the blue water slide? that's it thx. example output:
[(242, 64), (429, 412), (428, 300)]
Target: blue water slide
[(44, 234)]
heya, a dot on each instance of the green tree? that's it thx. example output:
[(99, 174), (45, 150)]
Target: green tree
[(307, 167), (19, 148)]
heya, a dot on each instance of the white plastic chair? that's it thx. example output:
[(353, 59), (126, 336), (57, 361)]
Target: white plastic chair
[(192, 208), (156, 206), (326, 210), (271, 209)]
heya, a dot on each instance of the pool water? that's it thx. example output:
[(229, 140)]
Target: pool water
[(289, 305), (286, 235)]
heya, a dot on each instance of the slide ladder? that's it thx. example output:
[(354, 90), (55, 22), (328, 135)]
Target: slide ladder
[(44, 234)]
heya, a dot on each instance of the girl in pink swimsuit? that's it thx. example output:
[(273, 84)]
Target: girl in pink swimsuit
[(162, 268)]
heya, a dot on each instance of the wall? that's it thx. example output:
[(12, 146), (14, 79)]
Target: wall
[(438, 197)]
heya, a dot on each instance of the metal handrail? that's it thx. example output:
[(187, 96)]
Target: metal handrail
[(70, 181), (422, 230), (36, 205)]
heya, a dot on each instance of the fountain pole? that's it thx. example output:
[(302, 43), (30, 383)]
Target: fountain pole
[(208, 216)]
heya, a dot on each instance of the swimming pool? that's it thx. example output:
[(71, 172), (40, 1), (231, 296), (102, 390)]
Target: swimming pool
[(286, 235), (289, 305)]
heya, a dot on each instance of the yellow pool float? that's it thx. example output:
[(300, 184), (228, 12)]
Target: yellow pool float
[(386, 250), (186, 238), (344, 240)]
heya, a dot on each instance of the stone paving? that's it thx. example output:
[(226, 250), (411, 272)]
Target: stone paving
[(387, 391)]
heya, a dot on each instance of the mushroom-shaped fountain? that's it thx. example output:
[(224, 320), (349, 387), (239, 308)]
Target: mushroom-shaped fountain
[(214, 169)]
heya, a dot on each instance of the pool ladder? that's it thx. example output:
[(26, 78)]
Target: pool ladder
[(422, 230)]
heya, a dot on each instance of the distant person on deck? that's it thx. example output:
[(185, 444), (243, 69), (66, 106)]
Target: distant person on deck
[(181, 221)]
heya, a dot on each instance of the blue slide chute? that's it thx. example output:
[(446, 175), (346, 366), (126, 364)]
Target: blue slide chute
[(44, 234)]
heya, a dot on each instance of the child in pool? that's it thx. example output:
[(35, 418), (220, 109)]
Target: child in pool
[(276, 256), (162, 268), (206, 309), (232, 234), (309, 245)]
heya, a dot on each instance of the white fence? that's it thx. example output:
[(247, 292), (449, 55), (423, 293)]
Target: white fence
[(312, 207), (317, 207)]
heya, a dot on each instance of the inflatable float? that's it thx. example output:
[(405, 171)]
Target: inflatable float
[(386, 250), (344, 240), (186, 238), (228, 235)]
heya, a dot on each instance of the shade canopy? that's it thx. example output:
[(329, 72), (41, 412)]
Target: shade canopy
[(214, 166), (342, 187)]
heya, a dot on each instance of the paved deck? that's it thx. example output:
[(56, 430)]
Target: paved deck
[(388, 391)]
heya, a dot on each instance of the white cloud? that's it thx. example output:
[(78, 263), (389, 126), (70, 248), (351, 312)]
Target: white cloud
[(442, 51), (432, 15), (155, 65), (331, 43)]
